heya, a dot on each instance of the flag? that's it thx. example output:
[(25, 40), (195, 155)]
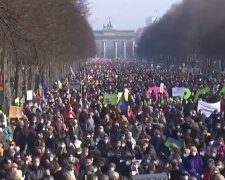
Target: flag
[(40, 90), (123, 103)]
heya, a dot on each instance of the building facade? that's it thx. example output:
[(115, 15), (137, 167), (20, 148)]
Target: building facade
[(115, 44)]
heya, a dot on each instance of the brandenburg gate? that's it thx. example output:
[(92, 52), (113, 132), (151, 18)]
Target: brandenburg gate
[(115, 44)]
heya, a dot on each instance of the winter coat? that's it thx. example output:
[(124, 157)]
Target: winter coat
[(51, 144), (193, 165), (35, 174), (19, 138)]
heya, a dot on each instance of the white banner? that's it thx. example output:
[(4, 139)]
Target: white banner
[(177, 91), (208, 108), (159, 176)]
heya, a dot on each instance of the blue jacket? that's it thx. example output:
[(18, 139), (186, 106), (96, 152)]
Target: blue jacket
[(193, 165)]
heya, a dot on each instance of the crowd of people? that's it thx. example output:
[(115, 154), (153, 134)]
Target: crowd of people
[(71, 134)]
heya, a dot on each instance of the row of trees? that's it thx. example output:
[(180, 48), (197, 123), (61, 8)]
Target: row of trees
[(38, 36), (193, 27)]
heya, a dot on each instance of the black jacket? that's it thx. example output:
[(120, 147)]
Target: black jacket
[(35, 174)]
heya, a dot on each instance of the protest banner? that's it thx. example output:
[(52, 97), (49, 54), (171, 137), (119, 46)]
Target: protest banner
[(15, 112), (158, 176), (208, 108), (178, 92), (110, 99)]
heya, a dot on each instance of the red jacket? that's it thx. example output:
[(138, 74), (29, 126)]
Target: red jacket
[(207, 174), (68, 114)]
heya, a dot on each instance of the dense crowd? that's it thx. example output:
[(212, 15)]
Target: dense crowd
[(71, 134)]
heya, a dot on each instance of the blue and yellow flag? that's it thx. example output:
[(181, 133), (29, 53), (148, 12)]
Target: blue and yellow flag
[(123, 102)]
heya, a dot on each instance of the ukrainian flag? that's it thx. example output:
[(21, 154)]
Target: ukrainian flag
[(123, 103)]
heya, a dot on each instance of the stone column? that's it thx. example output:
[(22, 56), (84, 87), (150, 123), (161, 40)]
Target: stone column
[(116, 50), (103, 47), (124, 50)]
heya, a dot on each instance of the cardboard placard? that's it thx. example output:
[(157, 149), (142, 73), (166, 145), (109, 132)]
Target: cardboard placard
[(15, 112)]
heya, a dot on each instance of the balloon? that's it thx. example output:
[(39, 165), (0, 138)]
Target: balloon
[(200, 92), (156, 90), (187, 93)]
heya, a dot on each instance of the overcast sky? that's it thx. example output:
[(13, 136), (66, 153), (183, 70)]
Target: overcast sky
[(126, 14)]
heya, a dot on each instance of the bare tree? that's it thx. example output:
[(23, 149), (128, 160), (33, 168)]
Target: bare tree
[(37, 32)]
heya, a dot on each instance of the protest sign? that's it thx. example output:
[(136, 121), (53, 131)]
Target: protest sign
[(74, 85), (110, 99), (159, 176), (29, 95), (177, 91), (208, 108), (15, 112)]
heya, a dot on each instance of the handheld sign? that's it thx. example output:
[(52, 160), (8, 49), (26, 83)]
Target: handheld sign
[(75, 85), (177, 91), (29, 95), (160, 176)]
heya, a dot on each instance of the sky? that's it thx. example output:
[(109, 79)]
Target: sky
[(126, 14)]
